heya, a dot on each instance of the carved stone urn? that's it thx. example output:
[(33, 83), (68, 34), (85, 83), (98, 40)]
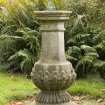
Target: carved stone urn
[(53, 73)]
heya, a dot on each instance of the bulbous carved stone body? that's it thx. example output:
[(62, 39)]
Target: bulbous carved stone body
[(52, 73), (52, 77)]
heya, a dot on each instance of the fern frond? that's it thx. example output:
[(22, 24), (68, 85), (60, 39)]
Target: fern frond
[(101, 45), (87, 48), (9, 29), (99, 64), (85, 61), (95, 55), (74, 51), (71, 58), (10, 37)]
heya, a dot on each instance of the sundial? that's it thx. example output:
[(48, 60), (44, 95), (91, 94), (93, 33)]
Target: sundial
[(52, 73), (51, 6)]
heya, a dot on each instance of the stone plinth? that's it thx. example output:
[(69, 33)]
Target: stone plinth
[(52, 73)]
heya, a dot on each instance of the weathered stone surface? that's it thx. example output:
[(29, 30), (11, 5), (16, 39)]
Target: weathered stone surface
[(52, 73), (46, 16), (52, 77)]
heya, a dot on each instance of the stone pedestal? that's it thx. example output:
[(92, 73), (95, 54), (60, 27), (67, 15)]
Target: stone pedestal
[(52, 73)]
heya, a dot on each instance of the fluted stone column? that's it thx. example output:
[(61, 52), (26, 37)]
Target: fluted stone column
[(52, 73)]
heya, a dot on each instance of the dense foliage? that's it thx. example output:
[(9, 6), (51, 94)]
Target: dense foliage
[(19, 36), (84, 37)]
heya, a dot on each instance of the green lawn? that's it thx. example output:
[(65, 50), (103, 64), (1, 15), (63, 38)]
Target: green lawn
[(92, 86), (14, 87), (18, 87)]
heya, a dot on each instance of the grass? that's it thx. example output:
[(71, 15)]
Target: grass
[(14, 87), (18, 87), (91, 86)]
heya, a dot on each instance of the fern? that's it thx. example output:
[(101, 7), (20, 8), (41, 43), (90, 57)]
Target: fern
[(100, 66), (84, 66), (7, 48), (19, 35), (74, 51), (32, 38), (88, 49), (84, 44), (9, 30), (27, 56), (27, 60)]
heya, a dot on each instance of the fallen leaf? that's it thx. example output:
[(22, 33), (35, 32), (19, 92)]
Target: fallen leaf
[(99, 100), (76, 98), (103, 90), (14, 103)]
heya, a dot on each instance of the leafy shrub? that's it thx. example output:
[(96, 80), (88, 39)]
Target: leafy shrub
[(19, 37), (85, 47), (84, 37)]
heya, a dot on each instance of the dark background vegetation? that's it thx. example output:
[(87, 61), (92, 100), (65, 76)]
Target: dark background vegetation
[(84, 36)]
